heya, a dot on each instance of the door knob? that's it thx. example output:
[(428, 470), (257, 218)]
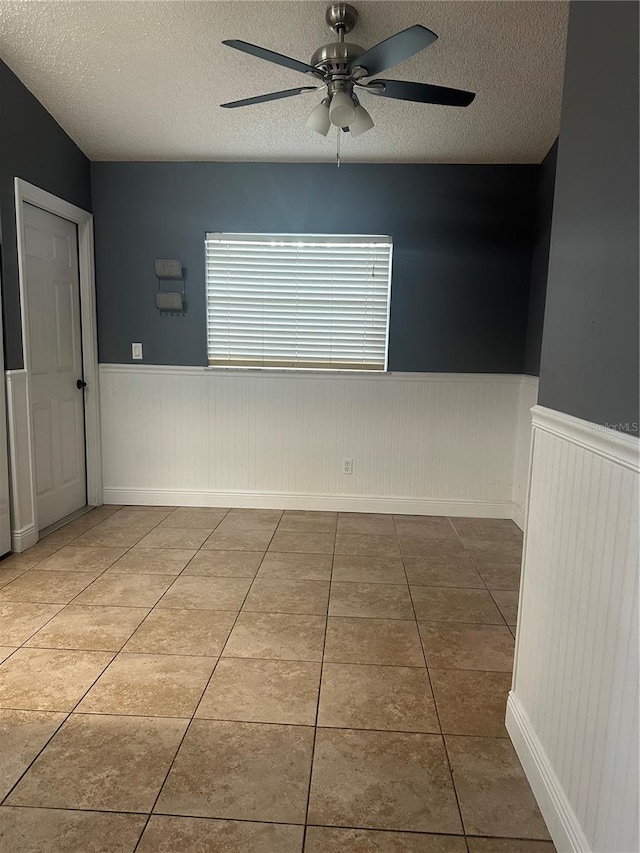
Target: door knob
[(80, 384)]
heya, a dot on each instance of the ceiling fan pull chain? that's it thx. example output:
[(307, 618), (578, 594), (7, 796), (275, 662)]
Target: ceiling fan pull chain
[(338, 132)]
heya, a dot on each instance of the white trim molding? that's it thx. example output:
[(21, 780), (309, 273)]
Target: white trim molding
[(561, 820), (527, 399), (24, 533), (610, 444), (233, 373), (434, 444), (573, 709), (5, 476), (518, 515), (283, 500), (28, 193)]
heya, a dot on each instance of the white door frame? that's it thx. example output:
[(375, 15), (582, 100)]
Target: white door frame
[(5, 509), (23, 483)]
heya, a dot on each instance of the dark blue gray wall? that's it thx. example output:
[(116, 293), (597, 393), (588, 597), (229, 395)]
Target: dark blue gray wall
[(34, 147), (461, 263), (589, 365), (540, 261)]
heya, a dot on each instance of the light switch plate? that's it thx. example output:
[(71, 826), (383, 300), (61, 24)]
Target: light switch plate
[(136, 352)]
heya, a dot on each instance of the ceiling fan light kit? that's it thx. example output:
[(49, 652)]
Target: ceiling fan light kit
[(319, 118), (341, 67), (342, 110), (362, 123)]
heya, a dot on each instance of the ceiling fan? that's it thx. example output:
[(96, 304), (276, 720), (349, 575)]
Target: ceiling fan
[(342, 67)]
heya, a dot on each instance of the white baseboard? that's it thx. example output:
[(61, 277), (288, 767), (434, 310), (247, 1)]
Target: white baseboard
[(562, 823), (518, 515), (23, 539), (284, 500)]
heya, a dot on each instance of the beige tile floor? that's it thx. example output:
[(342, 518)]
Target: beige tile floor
[(258, 681)]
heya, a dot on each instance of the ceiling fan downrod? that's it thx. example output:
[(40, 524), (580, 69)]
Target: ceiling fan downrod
[(335, 61)]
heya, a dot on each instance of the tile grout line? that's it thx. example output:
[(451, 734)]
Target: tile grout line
[(509, 629), (444, 740), (289, 660), (315, 727), (435, 705), (162, 784), (248, 722), (498, 606), (149, 606), (407, 832)]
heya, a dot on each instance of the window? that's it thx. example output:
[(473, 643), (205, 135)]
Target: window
[(298, 300)]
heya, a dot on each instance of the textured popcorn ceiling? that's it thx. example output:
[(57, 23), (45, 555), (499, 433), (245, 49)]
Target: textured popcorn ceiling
[(144, 80)]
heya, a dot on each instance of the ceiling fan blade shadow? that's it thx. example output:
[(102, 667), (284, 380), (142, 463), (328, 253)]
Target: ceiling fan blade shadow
[(272, 96), (423, 93), (395, 49), (272, 56)]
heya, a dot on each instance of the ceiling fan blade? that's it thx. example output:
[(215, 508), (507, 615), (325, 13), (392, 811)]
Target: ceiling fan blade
[(272, 96), (394, 49), (272, 56), (423, 93)]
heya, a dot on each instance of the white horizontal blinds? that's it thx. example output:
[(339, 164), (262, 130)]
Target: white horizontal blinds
[(278, 300)]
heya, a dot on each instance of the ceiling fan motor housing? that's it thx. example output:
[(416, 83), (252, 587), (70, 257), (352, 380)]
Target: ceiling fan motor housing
[(336, 58)]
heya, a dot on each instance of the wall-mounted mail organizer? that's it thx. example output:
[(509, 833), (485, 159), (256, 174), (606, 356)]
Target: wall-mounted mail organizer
[(170, 298)]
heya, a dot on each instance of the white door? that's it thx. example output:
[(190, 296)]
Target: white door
[(55, 363)]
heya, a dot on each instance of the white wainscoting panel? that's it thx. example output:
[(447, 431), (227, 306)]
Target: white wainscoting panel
[(573, 709), (24, 533), (420, 443), (528, 397)]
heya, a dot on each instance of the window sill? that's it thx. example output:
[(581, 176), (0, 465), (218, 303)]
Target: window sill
[(289, 371)]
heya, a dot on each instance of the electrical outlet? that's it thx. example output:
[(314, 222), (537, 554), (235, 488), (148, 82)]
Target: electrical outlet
[(347, 466), (136, 352)]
